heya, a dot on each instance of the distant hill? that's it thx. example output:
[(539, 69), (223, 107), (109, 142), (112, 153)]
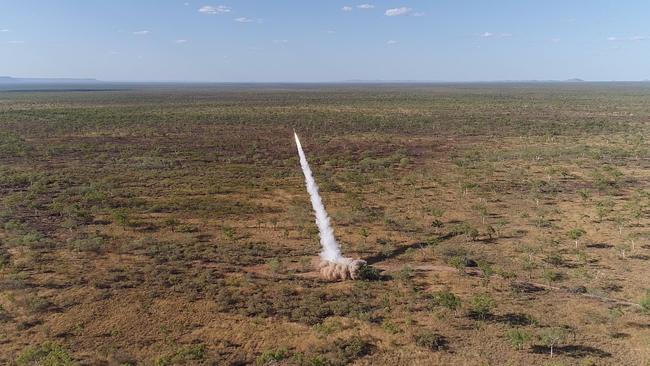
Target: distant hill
[(574, 80), (12, 80)]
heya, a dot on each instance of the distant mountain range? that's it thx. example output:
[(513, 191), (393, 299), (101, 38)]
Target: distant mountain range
[(12, 80), (573, 80)]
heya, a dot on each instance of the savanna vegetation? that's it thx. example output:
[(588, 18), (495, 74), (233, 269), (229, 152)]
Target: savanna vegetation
[(506, 224)]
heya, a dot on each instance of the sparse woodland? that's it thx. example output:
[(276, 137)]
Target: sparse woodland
[(505, 225)]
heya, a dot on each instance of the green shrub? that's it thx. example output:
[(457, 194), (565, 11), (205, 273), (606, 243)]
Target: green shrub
[(552, 276), (122, 217), (487, 271), (184, 355), (465, 229), (46, 354), (406, 273), (430, 340), (433, 241), (390, 327), (329, 326), (645, 303), (482, 305), (94, 244), (458, 262), (368, 273), (518, 338), (277, 354), (446, 299), (344, 351)]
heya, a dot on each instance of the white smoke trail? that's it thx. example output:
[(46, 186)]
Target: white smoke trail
[(331, 251)]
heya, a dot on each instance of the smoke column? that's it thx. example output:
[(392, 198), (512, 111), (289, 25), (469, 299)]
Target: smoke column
[(331, 251)]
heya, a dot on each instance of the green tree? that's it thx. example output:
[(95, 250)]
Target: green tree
[(576, 234), (552, 337), (486, 270)]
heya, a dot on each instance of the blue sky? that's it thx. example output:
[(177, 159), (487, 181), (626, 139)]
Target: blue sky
[(325, 40)]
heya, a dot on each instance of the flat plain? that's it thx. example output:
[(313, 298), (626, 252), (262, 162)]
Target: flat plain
[(508, 224)]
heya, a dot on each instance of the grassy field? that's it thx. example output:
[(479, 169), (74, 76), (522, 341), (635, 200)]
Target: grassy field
[(171, 226)]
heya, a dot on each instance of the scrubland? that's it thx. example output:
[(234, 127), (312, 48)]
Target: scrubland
[(508, 224)]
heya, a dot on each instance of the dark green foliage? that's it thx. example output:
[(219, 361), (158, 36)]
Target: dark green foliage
[(446, 299), (368, 273), (430, 340)]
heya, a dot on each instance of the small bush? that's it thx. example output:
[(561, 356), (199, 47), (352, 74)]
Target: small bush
[(46, 354), (465, 229), (184, 355), (390, 327), (487, 270), (446, 299), (430, 340), (518, 338), (329, 326), (482, 305), (353, 348), (277, 354), (552, 337), (368, 273), (122, 217), (94, 244), (553, 276), (405, 274), (645, 303), (458, 262)]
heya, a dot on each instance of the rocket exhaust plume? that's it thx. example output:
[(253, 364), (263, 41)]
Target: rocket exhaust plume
[(331, 251), (333, 266)]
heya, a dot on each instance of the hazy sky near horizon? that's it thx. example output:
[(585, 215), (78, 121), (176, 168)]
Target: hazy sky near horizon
[(325, 40)]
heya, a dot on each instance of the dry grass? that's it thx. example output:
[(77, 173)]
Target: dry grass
[(165, 227)]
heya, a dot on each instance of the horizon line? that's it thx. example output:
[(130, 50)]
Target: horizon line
[(347, 81)]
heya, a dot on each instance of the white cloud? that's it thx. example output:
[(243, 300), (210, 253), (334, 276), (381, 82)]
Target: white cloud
[(280, 41), (186, 4), (490, 34), (418, 14), (366, 6), (397, 11), (180, 41), (633, 38), (346, 8), (244, 20), (390, 41), (330, 32), (4, 30), (219, 9), (16, 42), (141, 33)]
